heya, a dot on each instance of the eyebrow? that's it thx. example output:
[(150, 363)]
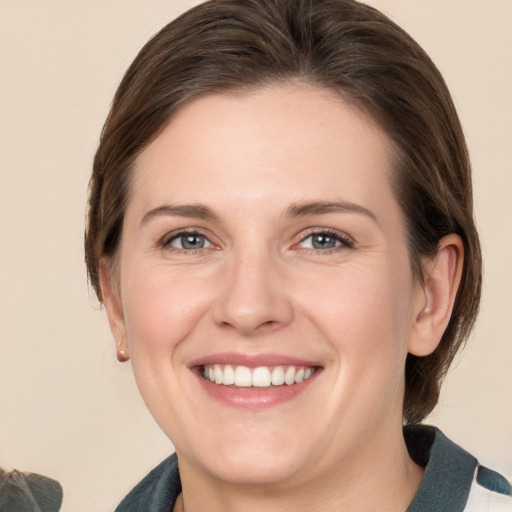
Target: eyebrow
[(302, 209), (193, 211)]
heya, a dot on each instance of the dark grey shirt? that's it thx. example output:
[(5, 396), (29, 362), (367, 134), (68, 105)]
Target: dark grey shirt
[(450, 475)]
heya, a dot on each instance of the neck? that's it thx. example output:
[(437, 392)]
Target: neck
[(382, 478)]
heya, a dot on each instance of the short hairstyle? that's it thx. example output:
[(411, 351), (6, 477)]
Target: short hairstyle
[(341, 45)]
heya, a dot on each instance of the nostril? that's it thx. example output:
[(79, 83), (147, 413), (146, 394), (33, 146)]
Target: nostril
[(251, 302), (248, 328)]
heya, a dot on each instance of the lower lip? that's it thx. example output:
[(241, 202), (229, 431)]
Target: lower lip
[(255, 398)]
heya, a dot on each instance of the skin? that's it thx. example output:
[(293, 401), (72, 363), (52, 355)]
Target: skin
[(260, 286)]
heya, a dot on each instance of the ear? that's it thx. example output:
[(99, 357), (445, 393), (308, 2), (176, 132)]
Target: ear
[(434, 306), (113, 306)]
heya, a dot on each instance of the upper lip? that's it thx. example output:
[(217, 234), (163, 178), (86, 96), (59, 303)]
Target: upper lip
[(251, 360)]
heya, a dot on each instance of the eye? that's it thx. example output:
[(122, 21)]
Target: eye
[(189, 241), (325, 240)]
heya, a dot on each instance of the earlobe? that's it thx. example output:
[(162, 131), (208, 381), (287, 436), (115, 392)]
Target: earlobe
[(113, 307), (434, 308)]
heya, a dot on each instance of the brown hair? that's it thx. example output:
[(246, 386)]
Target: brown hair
[(341, 45)]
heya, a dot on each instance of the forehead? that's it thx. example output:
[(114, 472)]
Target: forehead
[(250, 147)]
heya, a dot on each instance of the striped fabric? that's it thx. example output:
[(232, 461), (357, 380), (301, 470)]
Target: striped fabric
[(490, 492), (453, 481)]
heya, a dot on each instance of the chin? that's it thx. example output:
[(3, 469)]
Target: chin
[(251, 458), (263, 469)]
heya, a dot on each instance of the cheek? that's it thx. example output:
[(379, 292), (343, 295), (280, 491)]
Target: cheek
[(365, 312), (161, 309)]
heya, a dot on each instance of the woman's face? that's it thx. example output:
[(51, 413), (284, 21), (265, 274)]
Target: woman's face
[(261, 235)]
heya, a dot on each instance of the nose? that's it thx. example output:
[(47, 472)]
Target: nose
[(254, 297)]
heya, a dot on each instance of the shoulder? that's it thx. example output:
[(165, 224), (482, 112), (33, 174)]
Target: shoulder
[(454, 480), (490, 492), (157, 491)]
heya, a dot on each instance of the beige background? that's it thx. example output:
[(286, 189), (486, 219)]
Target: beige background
[(67, 408)]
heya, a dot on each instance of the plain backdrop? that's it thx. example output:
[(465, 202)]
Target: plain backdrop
[(67, 408)]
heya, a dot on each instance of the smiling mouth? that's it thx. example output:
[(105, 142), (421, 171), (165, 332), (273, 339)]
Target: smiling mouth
[(259, 377)]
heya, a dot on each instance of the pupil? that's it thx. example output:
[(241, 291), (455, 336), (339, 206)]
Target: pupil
[(192, 242), (323, 242)]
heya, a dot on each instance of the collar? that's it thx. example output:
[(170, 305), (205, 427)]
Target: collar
[(449, 472)]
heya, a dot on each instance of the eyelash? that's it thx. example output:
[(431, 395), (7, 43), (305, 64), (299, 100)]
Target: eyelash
[(166, 241), (343, 241)]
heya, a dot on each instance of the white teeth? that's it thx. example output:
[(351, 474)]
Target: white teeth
[(243, 377), (277, 376), (260, 377), (217, 372), (229, 376), (299, 376), (289, 376)]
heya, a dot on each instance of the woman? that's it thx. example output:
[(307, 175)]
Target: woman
[(281, 230)]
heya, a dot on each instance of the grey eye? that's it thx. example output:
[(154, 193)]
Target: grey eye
[(190, 241), (320, 241)]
